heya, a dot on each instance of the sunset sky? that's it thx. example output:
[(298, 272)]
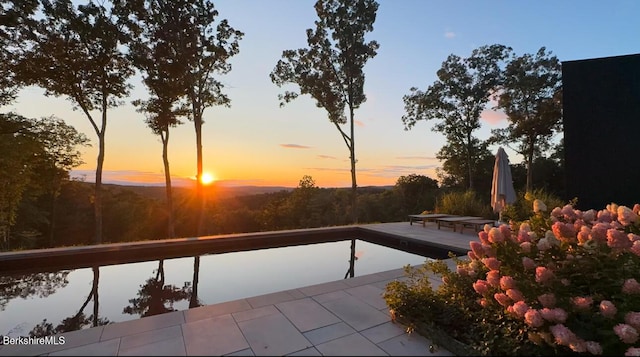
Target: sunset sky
[(255, 142)]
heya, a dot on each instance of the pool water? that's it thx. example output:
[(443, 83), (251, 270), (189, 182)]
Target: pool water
[(129, 291)]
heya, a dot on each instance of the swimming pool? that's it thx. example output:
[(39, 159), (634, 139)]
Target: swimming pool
[(67, 301)]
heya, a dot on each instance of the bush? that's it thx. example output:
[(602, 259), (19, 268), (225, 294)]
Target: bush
[(522, 209), (465, 203), (564, 283)]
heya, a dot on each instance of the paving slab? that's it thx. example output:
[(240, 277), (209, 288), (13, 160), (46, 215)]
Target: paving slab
[(383, 332), (152, 337), (328, 333), (214, 336), (144, 324), (307, 314), (255, 313), (104, 348), (270, 299), (411, 344), (356, 313), (306, 352), (369, 294), (324, 288), (209, 311), (173, 346), (273, 335), (351, 345)]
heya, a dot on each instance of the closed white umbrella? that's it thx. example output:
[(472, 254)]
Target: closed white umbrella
[(502, 191)]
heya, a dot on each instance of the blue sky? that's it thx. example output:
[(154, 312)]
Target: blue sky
[(257, 142)]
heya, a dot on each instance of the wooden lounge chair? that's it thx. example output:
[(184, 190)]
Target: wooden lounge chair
[(476, 224), (424, 218), (452, 221)]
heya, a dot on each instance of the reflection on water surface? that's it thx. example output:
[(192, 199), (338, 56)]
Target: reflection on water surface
[(46, 303)]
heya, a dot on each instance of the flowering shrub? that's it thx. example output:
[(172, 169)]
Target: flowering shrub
[(564, 282)]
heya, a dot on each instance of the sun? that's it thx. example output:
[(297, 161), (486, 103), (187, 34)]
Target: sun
[(207, 178)]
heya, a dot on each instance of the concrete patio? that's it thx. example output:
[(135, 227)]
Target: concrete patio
[(343, 317)]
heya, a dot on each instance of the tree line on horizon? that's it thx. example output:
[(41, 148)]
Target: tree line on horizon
[(88, 52)]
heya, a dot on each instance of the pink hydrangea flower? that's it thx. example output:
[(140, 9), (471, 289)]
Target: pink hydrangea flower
[(599, 232), (564, 232), (632, 351), (520, 308), (635, 248), (626, 333), (539, 206), (462, 270), (594, 348), (489, 250), (481, 286), (556, 212), (493, 278), (563, 335), (523, 237), (476, 248), (507, 282), (631, 286), (547, 300), (636, 208), (515, 295), (528, 263), (506, 231), (491, 263), (502, 299), (582, 302), (583, 234), (484, 237), (605, 216), (495, 235), (484, 302), (589, 215), (543, 244), (608, 309), (525, 227), (472, 255), (632, 318), (569, 213), (633, 237), (626, 216), (544, 275), (533, 318), (618, 239), (525, 246)]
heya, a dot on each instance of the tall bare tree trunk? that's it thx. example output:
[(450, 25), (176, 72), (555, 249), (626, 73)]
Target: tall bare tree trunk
[(354, 185), (97, 202), (167, 178)]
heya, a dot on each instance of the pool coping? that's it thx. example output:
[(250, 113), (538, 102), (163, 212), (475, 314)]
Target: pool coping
[(35, 260)]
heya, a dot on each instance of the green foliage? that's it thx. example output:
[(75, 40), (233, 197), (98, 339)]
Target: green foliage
[(417, 193), (522, 209), (531, 96), (330, 69), (457, 98), (465, 203)]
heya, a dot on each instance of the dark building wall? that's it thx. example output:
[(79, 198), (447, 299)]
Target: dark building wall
[(601, 114)]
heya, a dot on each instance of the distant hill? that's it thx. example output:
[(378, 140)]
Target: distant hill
[(219, 191)]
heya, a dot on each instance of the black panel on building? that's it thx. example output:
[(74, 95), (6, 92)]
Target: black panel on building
[(601, 114)]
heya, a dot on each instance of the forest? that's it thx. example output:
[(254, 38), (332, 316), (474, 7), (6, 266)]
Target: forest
[(87, 53)]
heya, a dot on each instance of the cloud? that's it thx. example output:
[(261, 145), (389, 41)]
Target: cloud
[(295, 146), (449, 34), (131, 177), (416, 158), (327, 157), (493, 117), (359, 123)]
